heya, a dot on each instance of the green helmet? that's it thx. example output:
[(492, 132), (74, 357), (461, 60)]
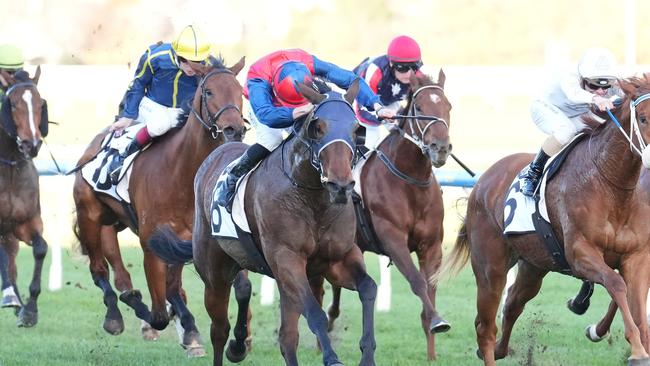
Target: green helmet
[(11, 57)]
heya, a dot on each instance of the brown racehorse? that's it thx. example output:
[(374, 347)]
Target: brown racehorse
[(21, 123), (592, 209), (301, 220), (161, 193), (405, 200)]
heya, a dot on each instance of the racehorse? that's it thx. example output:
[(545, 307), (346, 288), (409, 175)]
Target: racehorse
[(592, 210), (404, 201), (161, 193), (301, 220), (23, 123)]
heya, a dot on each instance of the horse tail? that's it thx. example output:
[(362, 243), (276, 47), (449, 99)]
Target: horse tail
[(167, 246), (78, 245)]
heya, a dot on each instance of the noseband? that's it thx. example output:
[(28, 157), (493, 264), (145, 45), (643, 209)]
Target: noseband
[(211, 124)]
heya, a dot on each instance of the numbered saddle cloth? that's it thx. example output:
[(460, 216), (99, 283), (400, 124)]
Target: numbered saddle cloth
[(96, 173)]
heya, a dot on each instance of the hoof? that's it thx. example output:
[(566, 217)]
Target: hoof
[(195, 352), (439, 325), (638, 362), (591, 334), (579, 308), (114, 326), (234, 353), (148, 333), (27, 318), (10, 301)]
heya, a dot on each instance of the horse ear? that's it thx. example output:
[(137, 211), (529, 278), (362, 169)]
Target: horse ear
[(236, 68), (352, 92), (312, 95), (441, 78), (628, 87), (37, 75)]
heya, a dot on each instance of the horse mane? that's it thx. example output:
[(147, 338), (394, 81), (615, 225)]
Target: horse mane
[(218, 62)]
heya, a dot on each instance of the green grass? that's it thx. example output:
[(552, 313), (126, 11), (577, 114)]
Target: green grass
[(69, 330)]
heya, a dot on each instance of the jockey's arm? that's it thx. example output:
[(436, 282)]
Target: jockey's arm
[(136, 91), (343, 79)]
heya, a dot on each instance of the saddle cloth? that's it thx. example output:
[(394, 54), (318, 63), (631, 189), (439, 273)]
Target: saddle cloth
[(225, 224), (519, 209), (96, 173)]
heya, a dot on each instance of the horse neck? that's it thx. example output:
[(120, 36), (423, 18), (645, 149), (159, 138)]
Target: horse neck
[(192, 144), (406, 156), (614, 161)]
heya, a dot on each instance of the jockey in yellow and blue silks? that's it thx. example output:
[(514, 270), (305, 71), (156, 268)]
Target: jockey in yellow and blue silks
[(276, 103), (163, 81)]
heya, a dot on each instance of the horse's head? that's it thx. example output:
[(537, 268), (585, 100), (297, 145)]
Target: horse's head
[(218, 99), (637, 89), (431, 130), (23, 115), (330, 131)]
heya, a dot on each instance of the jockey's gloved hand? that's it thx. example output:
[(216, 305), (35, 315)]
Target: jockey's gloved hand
[(616, 101)]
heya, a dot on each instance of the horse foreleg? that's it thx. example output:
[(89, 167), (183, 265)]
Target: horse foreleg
[(588, 263), (190, 338), (430, 258), (241, 345), (156, 273), (351, 273), (526, 286), (600, 331), (8, 273), (296, 297), (28, 315)]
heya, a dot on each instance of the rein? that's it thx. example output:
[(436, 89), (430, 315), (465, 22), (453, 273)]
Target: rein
[(211, 125), (413, 117)]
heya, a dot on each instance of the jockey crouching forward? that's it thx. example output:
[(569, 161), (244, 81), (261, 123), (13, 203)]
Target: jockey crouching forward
[(163, 81), (276, 103), (388, 76), (560, 112)]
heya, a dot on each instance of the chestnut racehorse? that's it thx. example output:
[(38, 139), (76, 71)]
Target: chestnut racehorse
[(593, 211), (161, 192), (404, 201)]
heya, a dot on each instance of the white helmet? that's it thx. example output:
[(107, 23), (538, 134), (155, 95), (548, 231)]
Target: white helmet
[(597, 63)]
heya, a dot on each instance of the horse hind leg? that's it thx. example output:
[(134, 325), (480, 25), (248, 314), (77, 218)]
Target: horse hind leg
[(600, 331), (334, 309), (526, 286), (241, 345)]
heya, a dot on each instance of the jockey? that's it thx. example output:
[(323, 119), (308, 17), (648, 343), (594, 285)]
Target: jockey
[(561, 110), (389, 77), (163, 81), (11, 60), (276, 103)]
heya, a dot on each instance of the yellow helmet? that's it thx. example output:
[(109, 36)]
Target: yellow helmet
[(11, 57), (191, 44)]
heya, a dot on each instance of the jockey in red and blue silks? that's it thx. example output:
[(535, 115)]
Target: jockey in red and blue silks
[(164, 79), (276, 103), (389, 77)]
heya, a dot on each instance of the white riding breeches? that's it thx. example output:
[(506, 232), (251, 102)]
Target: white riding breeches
[(373, 136), (266, 136), (158, 118), (552, 121)]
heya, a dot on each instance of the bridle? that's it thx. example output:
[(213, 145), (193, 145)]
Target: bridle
[(413, 118), (6, 102), (211, 124)]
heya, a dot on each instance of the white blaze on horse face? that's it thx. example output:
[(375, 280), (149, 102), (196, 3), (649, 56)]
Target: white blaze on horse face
[(27, 97), (435, 98)]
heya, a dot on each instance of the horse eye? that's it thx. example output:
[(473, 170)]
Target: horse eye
[(417, 108), (643, 119), (208, 93)]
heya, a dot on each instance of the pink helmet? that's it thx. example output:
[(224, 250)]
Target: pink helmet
[(285, 77), (404, 49)]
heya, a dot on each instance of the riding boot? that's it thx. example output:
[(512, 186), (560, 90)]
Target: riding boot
[(116, 165), (237, 169), (534, 173)]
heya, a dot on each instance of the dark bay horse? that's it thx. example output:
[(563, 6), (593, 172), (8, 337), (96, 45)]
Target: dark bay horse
[(302, 221), (404, 200), (161, 193), (592, 208), (21, 122)]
